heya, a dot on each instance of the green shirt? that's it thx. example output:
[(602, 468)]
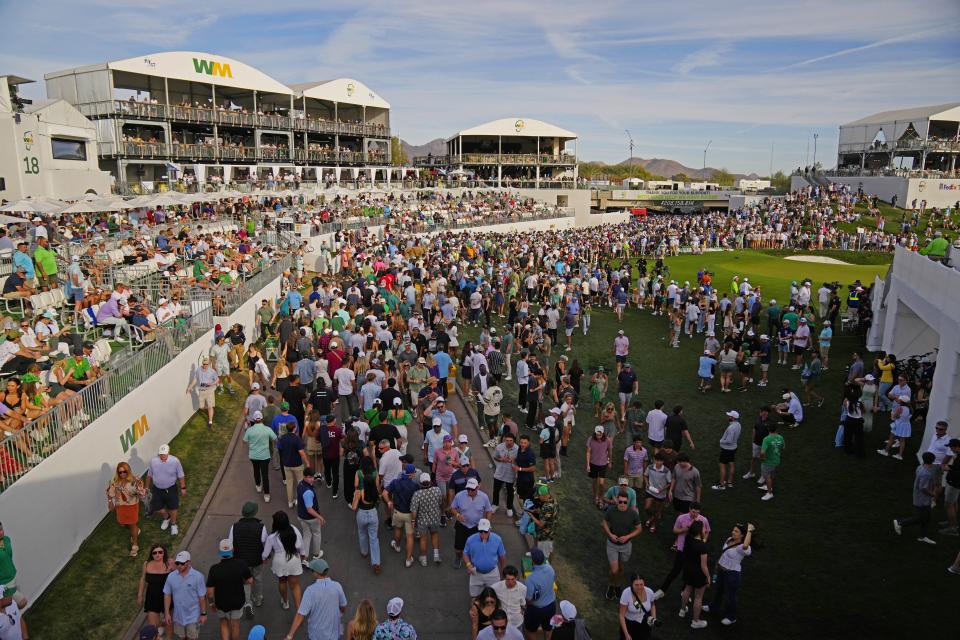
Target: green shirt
[(79, 369), (47, 260), (198, 269), (270, 412), (937, 248), (613, 492), (259, 436), (7, 571), (792, 319), (772, 447), (265, 314)]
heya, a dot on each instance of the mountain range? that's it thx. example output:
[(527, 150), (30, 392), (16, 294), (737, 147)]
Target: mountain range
[(656, 166)]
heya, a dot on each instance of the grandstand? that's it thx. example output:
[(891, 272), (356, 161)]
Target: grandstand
[(207, 119), (511, 152)]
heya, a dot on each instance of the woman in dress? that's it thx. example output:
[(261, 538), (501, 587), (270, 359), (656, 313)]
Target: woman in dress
[(638, 610), (481, 610), (696, 573), (123, 497), (286, 545), (598, 390), (281, 373), (314, 447), (150, 592), (868, 396), (900, 428), (466, 367), (364, 622)]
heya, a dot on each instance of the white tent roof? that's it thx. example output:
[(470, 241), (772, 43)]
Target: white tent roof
[(345, 90), (950, 111), (525, 127), (192, 66)]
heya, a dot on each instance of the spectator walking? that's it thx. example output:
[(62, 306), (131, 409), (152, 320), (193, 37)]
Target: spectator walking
[(469, 507), (308, 514), (541, 599), (322, 606), (687, 485), (621, 525), (426, 509), (184, 598), (599, 451), (164, 472), (123, 497), (364, 622), (735, 549), (395, 627), (365, 498), (681, 527), (485, 557), (760, 430), (226, 583), (638, 610), (512, 595), (925, 484), (285, 544), (728, 451), (259, 438), (249, 537), (399, 494), (293, 460), (770, 456), (152, 580), (696, 573), (206, 381)]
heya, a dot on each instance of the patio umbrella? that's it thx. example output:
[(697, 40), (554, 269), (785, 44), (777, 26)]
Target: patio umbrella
[(5, 220), (164, 200), (31, 206)]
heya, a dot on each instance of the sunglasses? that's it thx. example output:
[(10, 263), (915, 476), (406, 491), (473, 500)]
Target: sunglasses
[(498, 629), (157, 552), (179, 564), (121, 473), (623, 502)]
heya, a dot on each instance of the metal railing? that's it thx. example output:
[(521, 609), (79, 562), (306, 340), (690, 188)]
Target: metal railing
[(228, 300), (207, 115), (494, 158), (22, 449)]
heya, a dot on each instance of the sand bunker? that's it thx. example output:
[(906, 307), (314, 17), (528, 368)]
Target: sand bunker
[(820, 259)]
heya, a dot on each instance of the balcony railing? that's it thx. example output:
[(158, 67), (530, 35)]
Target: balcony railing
[(494, 158), (193, 151), (225, 117)]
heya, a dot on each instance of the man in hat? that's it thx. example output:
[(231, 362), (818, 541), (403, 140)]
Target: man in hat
[(394, 626), (485, 557), (184, 592), (248, 536), (398, 496), (628, 385), (227, 582), (16, 286), (206, 380), (621, 349), (541, 599), (164, 471), (322, 606), (728, 451), (565, 624), (468, 507)]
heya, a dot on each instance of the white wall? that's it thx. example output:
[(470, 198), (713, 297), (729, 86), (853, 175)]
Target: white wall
[(937, 192), (51, 510)]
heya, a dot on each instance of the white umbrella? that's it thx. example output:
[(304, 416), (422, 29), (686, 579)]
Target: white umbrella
[(82, 206), (164, 200), (5, 220), (31, 206)]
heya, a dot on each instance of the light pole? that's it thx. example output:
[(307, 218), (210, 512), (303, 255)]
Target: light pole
[(815, 136), (703, 173)]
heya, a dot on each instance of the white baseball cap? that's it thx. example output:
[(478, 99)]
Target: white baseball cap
[(733, 414), (164, 449), (483, 525), (598, 429), (183, 556), (463, 438), (255, 385), (257, 415), (567, 610), (551, 421), (394, 607), (472, 483)]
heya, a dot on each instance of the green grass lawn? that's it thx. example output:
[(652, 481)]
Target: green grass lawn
[(95, 596), (826, 561)]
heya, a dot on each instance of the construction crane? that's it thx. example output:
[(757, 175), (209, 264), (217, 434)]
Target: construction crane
[(629, 137)]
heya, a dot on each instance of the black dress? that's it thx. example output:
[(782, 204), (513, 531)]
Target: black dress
[(153, 598), (692, 571)]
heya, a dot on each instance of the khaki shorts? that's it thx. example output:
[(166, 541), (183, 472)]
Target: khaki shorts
[(208, 397), (191, 631), (403, 521), (635, 481), (236, 614)]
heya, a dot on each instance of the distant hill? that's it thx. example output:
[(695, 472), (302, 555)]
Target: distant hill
[(436, 147), (667, 168)]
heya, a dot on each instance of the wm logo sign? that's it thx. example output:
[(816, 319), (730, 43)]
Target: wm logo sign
[(212, 68), (129, 437)]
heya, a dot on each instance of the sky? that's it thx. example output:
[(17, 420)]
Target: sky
[(755, 79)]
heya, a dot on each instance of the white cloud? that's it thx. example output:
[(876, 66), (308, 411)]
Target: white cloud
[(712, 56)]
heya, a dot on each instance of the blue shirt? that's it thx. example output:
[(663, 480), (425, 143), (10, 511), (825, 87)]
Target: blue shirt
[(280, 420), (165, 474), (540, 585), (294, 299), (401, 492), (289, 446), (442, 358), (20, 259), (706, 362), (447, 420), (306, 369), (321, 606), (485, 554), (185, 593), (826, 335), (472, 509)]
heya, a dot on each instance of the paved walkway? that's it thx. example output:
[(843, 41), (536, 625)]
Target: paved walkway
[(436, 597)]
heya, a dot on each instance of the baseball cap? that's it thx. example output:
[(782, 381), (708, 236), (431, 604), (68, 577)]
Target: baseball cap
[(284, 405), (483, 525), (869, 376), (786, 396), (257, 415), (628, 366), (226, 548), (598, 429), (472, 483), (441, 399), (536, 554), (183, 556), (556, 411), (394, 607), (437, 422), (567, 610), (424, 478), (543, 490), (319, 565), (249, 509), (255, 385), (422, 360), (164, 449), (258, 632), (620, 332), (447, 437), (623, 480), (464, 460), (463, 438), (827, 323), (409, 468), (733, 414), (803, 320), (148, 632), (550, 421)]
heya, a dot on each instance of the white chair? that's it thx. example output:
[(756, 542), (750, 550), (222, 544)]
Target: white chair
[(46, 300), (102, 351)]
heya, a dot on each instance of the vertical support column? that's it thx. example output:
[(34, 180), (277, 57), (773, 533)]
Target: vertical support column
[(166, 93)]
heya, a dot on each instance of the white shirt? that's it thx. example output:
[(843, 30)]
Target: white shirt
[(273, 544), (512, 601), (656, 424), (733, 556), (523, 372), (940, 448), (390, 466), (10, 623), (344, 378)]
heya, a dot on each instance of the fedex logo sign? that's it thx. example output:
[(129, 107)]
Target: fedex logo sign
[(212, 68)]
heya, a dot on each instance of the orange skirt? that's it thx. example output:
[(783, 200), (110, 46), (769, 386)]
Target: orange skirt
[(128, 514)]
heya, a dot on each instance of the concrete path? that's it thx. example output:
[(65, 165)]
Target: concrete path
[(436, 596)]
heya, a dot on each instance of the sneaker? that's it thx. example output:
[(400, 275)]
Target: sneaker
[(950, 531), (509, 513), (727, 622), (335, 495), (284, 604), (698, 624), (820, 403), (897, 456), (748, 475), (496, 508), (290, 505), (248, 611), (611, 592), (329, 485), (259, 489), (408, 563), (719, 487), (284, 481), (164, 524), (954, 570), (883, 452), (767, 496), (926, 540), (658, 594), (436, 558), (266, 497), (174, 530), (729, 485), (423, 561), (395, 545), (682, 613)]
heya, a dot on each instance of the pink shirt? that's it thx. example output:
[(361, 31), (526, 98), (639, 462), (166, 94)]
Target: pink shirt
[(621, 345), (599, 450), (685, 520), (444, 459)]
